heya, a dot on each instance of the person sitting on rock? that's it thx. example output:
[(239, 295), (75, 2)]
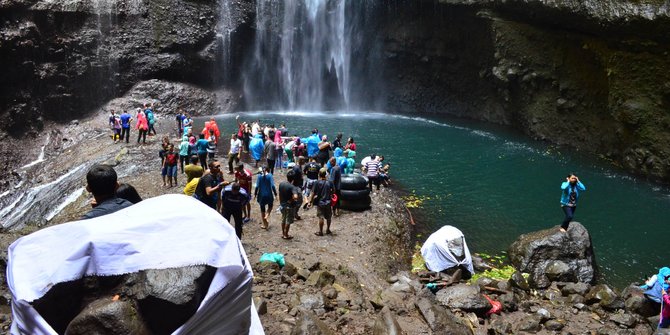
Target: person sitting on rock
[(569, 195), (101, 180), (664, 322)]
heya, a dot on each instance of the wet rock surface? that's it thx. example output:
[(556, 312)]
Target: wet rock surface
[(550, 255)]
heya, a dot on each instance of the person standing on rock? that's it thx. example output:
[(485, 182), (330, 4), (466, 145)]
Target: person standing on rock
[(336, 179), (151, 118), (126, 120), (264, 191), (210, 186), (311, 171), (570, 193), (113, 123), (170, 166), (321, 195), (270, 151), (234, 153), (201, 145), (233, 200), (142, 126), (193, 170), (288, 199), (244, 177), (101, 180)]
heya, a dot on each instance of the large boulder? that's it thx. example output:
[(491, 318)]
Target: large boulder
[(439, 319), (464, 297), (550, 255), (107, 316)]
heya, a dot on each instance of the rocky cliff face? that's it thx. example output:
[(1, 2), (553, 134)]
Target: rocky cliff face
[(593, 75), (62, 59)]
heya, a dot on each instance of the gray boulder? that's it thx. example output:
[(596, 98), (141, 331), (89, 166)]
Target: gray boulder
[(637, 303), (575, 288), (168, 298), (309, 324), (549, 255), (605, 296), (105, 316), (320, 278), (624, 320), (517, 280), (386, 324), (440, 320), (530, 323), (464, 297)]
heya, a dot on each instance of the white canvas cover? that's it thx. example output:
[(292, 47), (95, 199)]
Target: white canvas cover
[(164, 232), (441, 249)]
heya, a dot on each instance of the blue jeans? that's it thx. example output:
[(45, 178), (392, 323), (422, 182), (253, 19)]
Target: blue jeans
[(569, 214)]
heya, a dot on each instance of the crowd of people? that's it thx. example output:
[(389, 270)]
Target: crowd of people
[(313, 167), (145, 118)]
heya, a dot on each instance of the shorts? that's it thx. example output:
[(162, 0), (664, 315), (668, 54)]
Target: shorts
[(265, 201), (324, 212), (287, 215), (172, 170), (307, 187)]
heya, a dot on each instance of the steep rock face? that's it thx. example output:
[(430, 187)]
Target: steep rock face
[(593, 75), (61, 59)]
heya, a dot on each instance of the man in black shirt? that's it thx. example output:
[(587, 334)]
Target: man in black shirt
[(210, 185), (101, 180), (298, 182), (233, 199), (311, 171), (322, 193), (288, 200)]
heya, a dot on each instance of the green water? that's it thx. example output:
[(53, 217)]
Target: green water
[(494, 184)]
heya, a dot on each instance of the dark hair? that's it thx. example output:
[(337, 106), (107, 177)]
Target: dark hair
[(290, 175), (571, 174), (194, 159), (240, 166), (101, 180), (202, 136), (128, 192), (373, 156), (339, 135), (212, 162), (235, 186)]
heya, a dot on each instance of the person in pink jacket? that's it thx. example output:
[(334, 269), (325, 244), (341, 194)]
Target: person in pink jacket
[(142, 126), (665, 305)]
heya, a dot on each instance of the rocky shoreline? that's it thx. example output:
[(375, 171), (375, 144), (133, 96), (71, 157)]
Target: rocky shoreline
[(358, 281)]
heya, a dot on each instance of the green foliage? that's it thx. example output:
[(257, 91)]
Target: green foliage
[(500, 271), (418, 263)]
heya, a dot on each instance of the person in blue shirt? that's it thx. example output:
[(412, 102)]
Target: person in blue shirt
[(126, 119), (265, 188), (201, 146), (570, 193)]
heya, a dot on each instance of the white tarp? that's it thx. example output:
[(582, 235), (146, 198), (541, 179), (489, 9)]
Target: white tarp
[(444, 248), (164, 232)]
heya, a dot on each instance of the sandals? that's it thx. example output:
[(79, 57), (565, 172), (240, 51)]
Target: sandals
[(289, 237), (318, 233), (328, 232)]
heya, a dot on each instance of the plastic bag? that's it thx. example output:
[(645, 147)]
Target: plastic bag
[(273, 257)]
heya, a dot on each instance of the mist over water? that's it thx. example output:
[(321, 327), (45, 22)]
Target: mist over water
[(495, 184)]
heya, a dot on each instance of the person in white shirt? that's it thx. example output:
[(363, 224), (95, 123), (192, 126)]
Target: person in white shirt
[(234, 153)]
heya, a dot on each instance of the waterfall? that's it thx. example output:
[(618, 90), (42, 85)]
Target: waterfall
[(302, 55), (225, 31)]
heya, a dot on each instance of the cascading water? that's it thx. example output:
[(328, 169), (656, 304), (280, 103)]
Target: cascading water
[(225, 36), (302, 56)]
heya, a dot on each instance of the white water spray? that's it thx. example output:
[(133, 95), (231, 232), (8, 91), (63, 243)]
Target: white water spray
[(301, 49)]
